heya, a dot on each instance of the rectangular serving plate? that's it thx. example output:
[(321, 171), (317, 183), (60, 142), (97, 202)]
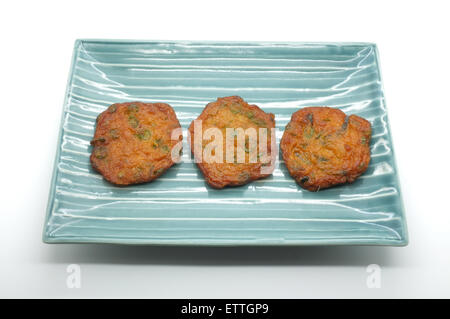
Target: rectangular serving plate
[(179, 208)]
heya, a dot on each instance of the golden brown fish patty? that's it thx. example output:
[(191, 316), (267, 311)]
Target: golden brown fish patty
[(234, 112), (323, 147), (132, 142)]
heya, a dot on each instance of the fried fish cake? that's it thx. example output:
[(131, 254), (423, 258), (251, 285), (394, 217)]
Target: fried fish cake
[(254, 162), (132, 142), (323, 147)]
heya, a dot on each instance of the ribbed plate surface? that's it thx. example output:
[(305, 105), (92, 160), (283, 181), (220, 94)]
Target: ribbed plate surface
[(179, 208)]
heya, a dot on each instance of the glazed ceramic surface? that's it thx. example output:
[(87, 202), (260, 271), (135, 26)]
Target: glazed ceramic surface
[(179, 208)]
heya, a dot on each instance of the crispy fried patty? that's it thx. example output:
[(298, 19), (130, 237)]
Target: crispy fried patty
[(234, 112), (132, 142), (323, 147)]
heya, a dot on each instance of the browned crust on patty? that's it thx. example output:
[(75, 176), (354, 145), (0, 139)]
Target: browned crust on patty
[(233, 112), (132, 142), (323, 147)]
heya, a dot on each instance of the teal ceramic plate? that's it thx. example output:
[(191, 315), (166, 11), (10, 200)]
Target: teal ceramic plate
[(179, 208)]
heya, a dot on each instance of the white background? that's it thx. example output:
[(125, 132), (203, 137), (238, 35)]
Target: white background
[(37, 38)]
